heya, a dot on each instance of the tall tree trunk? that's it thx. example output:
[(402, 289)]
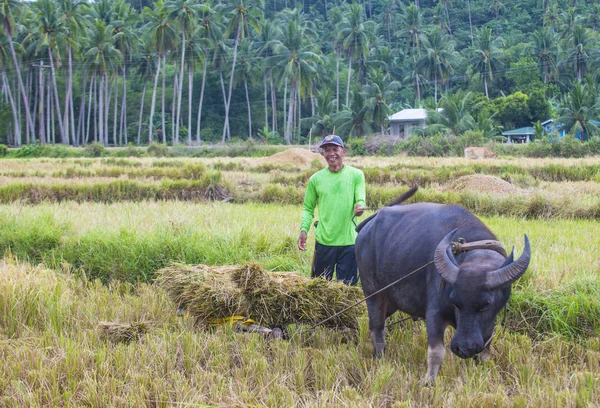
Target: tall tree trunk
[(70, 98), (174, 119), (101, 110), (273, 101), (153, 104), (68, 102), (90, 106), (337, 79), (228, 101), (42, 122), (141, 115), (28, 137), (80, 122), (49, 123), (190, 96), (56, 105), (265, 99), (51, 113), (115, 113), (124, 107), (200, 102), (181, 85), (290, 119), (249, 110), (470, 23), (21, 86), (107, 95), (348, 84), (96, 110), (164, 74), (226, 123), (284, 108), (17, 136), (485, 86)]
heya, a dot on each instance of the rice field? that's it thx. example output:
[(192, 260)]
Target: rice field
[(79, 264)]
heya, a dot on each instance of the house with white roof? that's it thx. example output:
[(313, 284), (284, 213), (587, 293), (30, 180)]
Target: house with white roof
[(403, 123)]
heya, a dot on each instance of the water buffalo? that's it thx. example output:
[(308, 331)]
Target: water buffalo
[(465, 290)]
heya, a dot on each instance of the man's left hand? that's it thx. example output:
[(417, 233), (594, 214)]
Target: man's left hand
[(358, 210)]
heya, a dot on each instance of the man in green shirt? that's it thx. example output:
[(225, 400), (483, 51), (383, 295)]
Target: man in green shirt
[(339, 191)]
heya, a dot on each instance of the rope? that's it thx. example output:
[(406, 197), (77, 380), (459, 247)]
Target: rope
[(371, 295)]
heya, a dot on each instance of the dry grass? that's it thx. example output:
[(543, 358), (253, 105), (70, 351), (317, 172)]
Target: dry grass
[(269, 298), (53, 355)]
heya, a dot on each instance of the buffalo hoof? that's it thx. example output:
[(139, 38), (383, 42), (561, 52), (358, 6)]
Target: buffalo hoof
[(429, 381)]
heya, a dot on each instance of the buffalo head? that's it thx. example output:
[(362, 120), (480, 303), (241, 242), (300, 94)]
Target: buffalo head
[(477, 288)]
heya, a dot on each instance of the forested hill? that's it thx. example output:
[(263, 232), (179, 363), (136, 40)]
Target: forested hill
[(184, 71)]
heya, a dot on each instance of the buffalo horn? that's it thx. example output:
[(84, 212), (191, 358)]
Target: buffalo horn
[(511, 272), (444, 264)]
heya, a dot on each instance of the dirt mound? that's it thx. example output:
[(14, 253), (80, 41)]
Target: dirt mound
[(483, 184), (296, 156)]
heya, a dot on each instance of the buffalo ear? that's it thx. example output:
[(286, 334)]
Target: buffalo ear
[(510, 258), (444, 259)]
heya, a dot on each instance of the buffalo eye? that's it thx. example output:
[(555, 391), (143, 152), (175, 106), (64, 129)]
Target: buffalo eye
[(482, 307)]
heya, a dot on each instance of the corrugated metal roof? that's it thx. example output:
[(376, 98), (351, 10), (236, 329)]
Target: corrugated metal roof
[(409, 114), (518, 132)]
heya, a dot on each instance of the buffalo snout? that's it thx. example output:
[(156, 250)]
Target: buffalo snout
[(467, 348)]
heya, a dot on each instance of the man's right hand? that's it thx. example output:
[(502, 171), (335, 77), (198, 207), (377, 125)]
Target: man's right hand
[(302, 241)]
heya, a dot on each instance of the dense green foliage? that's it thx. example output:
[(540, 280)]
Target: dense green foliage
[(181, 71)]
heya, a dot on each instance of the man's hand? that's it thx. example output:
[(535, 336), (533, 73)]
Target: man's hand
[(358, 210), (302, 241)]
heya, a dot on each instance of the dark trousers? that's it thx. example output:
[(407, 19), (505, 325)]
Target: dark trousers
[(340, 258)]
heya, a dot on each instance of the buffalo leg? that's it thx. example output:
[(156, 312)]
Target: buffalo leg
[(435, 350), (376, 307)]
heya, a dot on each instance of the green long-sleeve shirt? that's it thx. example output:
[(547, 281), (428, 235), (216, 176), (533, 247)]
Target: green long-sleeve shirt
[(336, 194)]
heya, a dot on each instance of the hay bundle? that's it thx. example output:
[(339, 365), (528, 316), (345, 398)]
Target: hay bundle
[(290, 298), (271, 299), (123, 332), (205, 292)]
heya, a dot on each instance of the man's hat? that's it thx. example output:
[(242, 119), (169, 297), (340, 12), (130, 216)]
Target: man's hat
[(332, 140)]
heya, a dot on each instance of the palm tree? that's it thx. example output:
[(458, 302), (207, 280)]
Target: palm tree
[(297, 62), (487, 54), (580, 48), (105, 58), (353, 120), (438, 59), (4, 58), (125, 41), (453, 116), (355, 35), (161, 35), (185, 14), (247, 67), (241, 17), (146, 66), (210, 32), (49, 32), (74, 25), (270, 35), (577, 110), (376, 108), (545, 49), (496, 6), (8, 10)]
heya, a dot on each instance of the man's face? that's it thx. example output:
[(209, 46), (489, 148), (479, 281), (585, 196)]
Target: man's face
[(334, 154)]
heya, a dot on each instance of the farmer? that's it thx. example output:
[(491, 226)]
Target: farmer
[(339, 191)]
